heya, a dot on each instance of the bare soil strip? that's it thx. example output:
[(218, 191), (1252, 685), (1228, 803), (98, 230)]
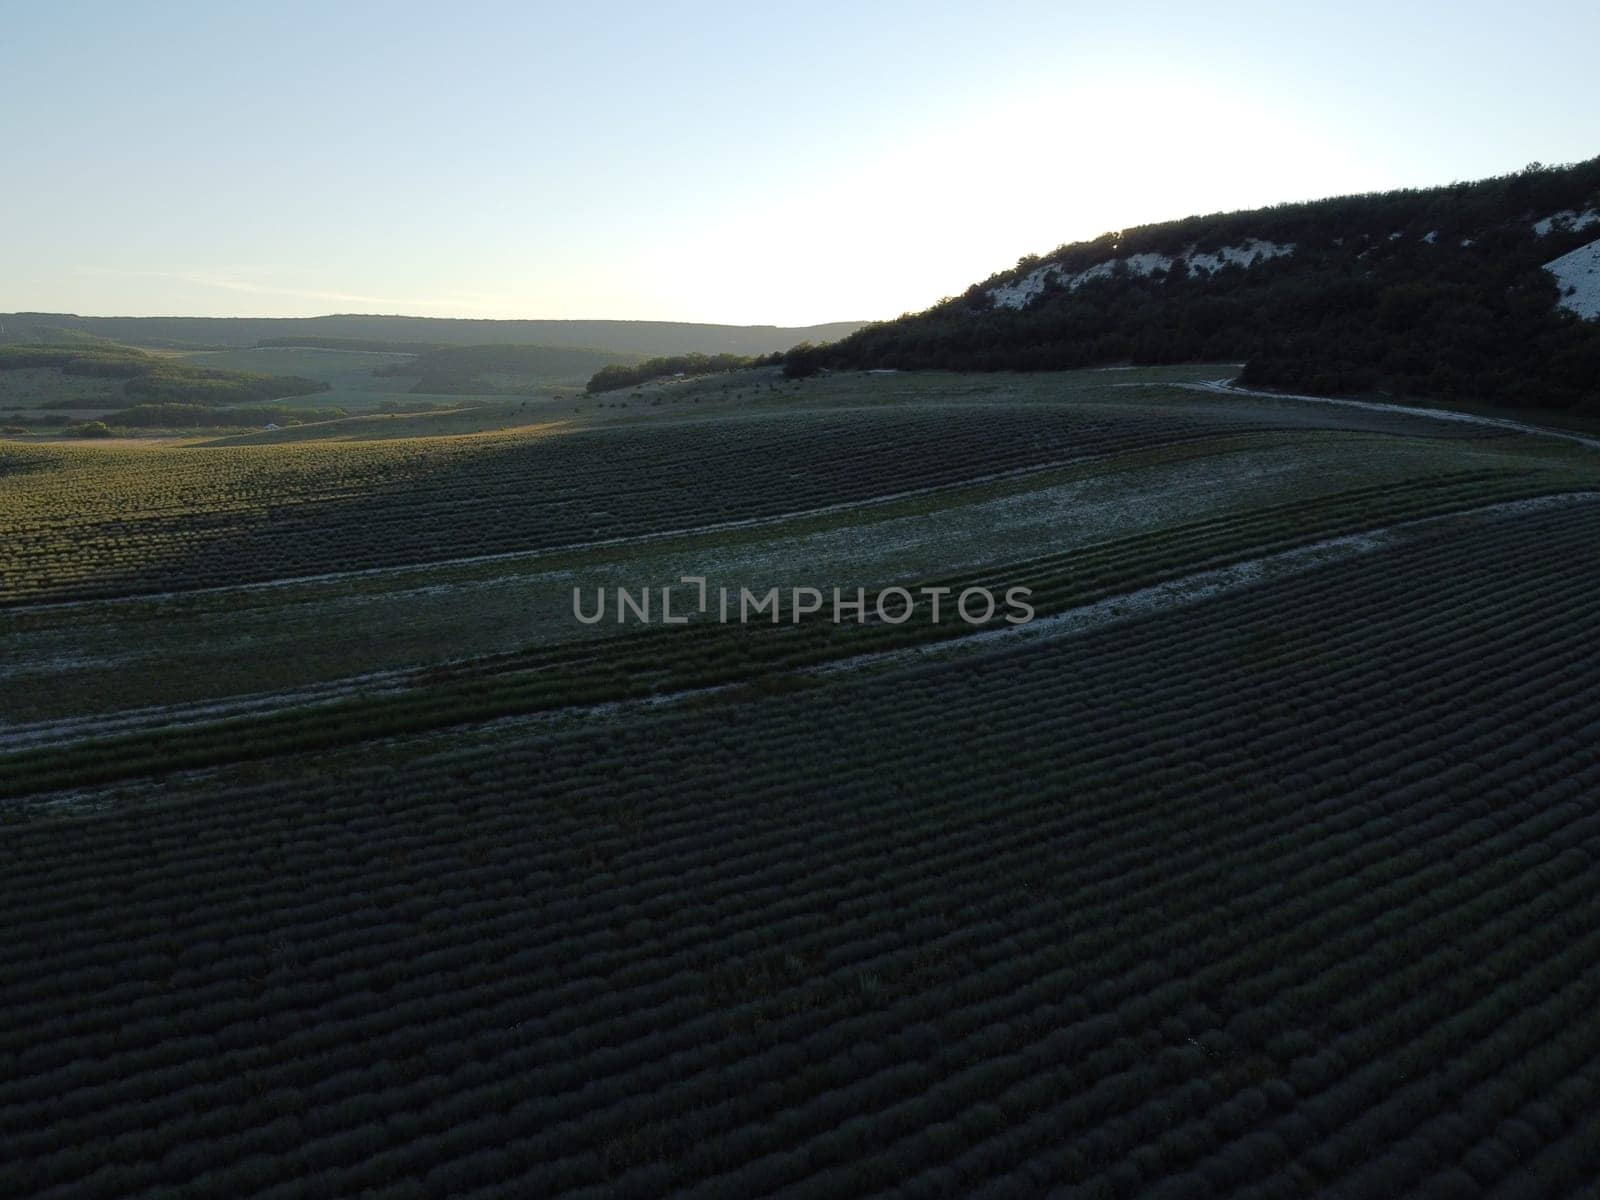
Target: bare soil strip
[(1226, 387), (1189, 589)]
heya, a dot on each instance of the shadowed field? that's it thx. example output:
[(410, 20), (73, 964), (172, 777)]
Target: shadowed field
[(341, 856)]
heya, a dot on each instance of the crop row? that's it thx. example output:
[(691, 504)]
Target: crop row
[(661, 659), (1148, 907), (89, 524)]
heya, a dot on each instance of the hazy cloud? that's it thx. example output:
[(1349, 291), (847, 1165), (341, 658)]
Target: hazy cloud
[(467, 301)]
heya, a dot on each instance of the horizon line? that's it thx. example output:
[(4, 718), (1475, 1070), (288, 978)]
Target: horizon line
[(31, 312)]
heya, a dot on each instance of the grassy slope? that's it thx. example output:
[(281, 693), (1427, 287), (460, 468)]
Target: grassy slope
[(104, 656), (49, 391), (353, 381), (44, 398), (344, 370), (476, 415)]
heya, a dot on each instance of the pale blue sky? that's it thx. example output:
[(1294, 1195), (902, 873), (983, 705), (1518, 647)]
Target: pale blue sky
[(721, 162)]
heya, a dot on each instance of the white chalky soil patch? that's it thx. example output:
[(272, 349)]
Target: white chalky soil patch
[(1017, 295), (1578, 276), (1566, 221)]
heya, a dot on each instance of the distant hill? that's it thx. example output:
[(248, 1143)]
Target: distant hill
[(1481, 291), (646, 338), (129, 387), (153, 379), (488, 370)]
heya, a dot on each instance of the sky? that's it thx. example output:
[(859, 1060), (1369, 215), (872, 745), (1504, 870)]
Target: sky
[(739, 163)]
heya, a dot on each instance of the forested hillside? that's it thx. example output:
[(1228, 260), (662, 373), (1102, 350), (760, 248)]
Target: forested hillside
[(148, 377), (611, 378), (1470, 292), (490, 370)]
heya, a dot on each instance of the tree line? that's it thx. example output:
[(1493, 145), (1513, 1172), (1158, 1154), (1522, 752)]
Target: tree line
[(621, 375), (154, 379)]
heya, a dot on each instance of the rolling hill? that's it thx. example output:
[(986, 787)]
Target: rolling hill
[(622, 337), (1477, 292), (343, 857), (133, 388)]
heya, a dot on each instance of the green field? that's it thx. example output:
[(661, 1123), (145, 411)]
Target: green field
[(51, 390), (352, 376), (247, 575), (1260, 863), (363, 380), (499, 385), (38, 389), (349, 374)]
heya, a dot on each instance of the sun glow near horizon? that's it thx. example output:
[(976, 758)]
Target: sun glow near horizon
[(710, 163)]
